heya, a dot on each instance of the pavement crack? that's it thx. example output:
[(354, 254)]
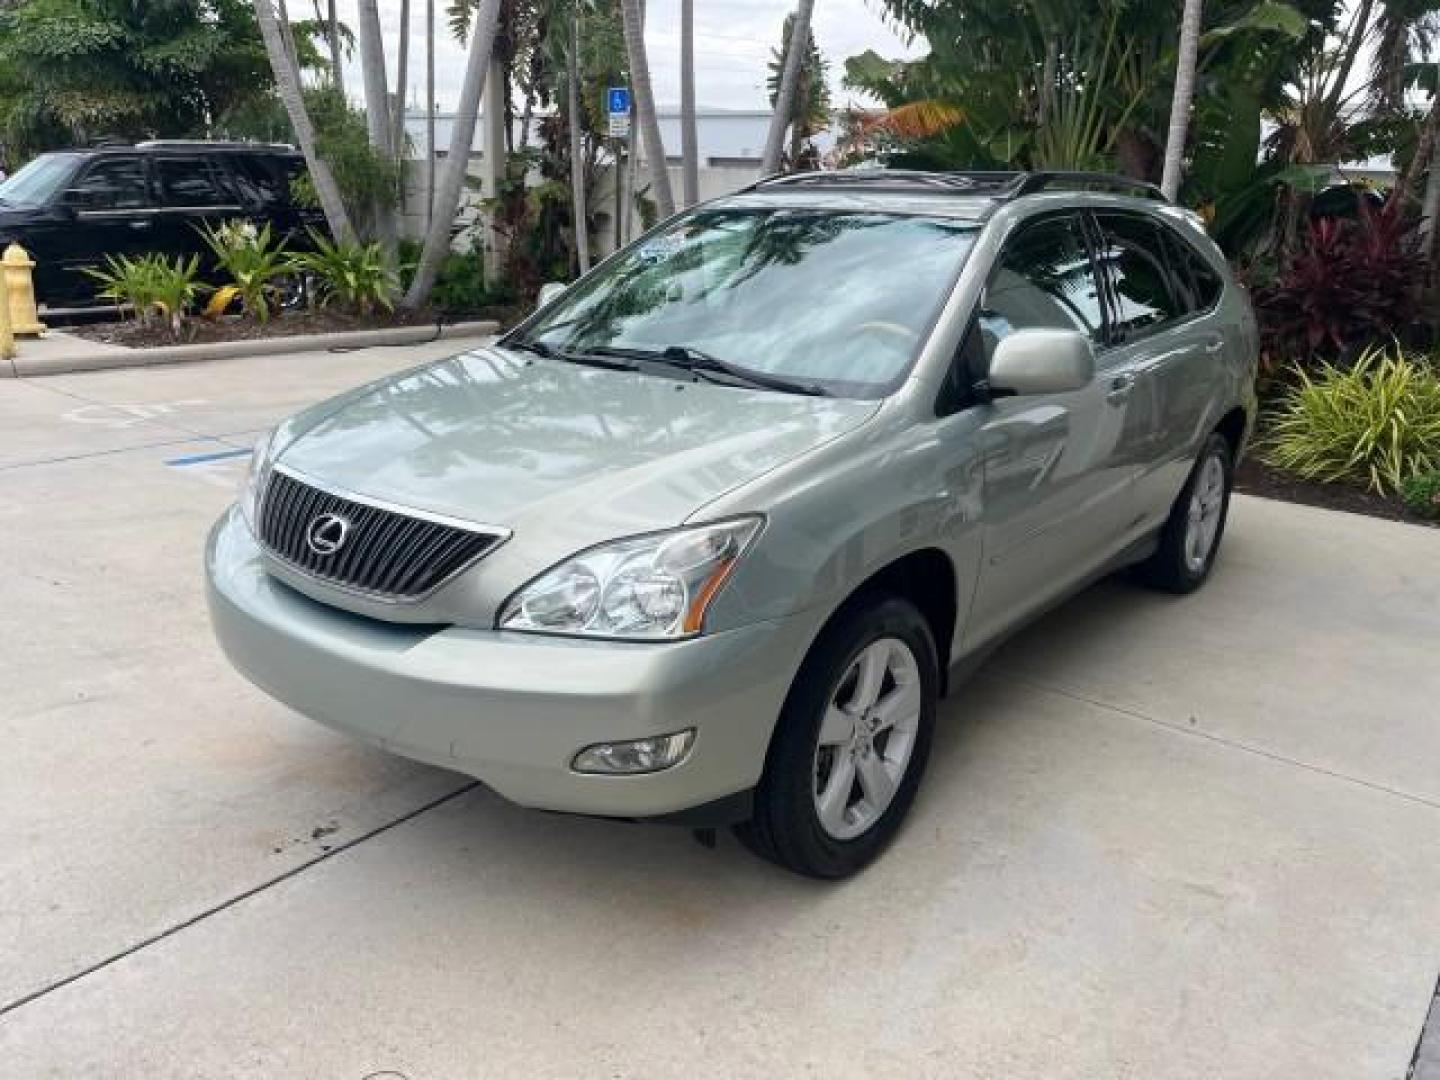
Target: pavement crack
[(225, 905), (1194, 732)]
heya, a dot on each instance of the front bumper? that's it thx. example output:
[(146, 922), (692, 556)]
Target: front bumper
[(511, 709)]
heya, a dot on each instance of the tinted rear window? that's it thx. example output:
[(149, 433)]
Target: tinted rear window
[(189, 181), (1133, 254), (260, 181)]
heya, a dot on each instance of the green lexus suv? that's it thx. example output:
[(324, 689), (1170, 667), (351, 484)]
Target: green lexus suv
[(707, 537)]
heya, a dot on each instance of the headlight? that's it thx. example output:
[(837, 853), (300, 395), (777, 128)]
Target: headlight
[(647, 588), (257, 474)]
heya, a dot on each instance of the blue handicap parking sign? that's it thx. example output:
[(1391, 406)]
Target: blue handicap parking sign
[(619, 98)]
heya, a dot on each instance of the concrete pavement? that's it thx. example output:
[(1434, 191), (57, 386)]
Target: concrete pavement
[(1159, 837)]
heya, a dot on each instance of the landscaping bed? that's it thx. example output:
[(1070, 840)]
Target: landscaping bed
[(288, 324), (1254, 477)]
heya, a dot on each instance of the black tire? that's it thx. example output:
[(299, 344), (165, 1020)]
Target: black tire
[(1169, 569), (786, 827)]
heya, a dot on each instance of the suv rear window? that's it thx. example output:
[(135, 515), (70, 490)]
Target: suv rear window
[(189, 181), (1196, 277), (261, 182), (1133, 255)]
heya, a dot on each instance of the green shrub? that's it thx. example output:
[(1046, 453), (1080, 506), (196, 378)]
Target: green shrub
[(1376, 423), (1422, 494), (152, 285), (353, 275), (460, 286), (127, 282), (253, 263)]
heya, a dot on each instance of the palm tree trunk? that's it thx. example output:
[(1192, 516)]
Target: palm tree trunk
[(402, 73), (1425, 154), (377, 110), (287, 86), (577, 160), (332, 33), (789, 88), (1180, 102), (649, 123), (462, 137), (1430, 207), (689, 136), (429, 114)]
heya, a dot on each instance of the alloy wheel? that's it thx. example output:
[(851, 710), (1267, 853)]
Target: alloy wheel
[(867, 738), (1207, 504)]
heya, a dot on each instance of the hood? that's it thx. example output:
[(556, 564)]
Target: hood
[(508, 439)]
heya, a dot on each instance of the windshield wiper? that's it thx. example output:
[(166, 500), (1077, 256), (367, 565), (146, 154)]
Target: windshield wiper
[(550, 352), (713, 369)]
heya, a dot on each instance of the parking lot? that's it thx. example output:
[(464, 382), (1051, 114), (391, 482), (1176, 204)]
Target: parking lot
[(1158, 838)]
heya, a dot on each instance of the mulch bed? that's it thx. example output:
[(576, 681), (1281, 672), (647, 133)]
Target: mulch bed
[(1254, 477), (233, 328)]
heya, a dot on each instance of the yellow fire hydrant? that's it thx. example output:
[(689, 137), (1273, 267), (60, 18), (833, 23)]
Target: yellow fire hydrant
[(17, 265)]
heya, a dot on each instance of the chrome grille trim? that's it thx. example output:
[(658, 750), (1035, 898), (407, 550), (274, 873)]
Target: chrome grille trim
[(392, 554)]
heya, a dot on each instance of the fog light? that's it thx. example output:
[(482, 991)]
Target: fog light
[(636, 756)]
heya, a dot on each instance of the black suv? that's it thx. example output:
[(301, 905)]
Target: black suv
[(71, 208)]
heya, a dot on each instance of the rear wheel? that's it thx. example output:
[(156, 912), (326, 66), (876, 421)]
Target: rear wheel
[(851, 743), (1192, 534)]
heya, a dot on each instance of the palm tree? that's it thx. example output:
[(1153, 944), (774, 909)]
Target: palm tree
[(287, 86), (577, 162), (789, 89), (429, 113), (1183, 96), (645, 115), (377, 109), (462, 137), (689, 137), (402, 72)]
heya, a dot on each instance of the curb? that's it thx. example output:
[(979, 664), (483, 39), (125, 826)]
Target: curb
[(23, 367)]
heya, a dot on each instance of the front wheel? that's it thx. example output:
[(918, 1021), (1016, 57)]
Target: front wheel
[(1191, 536), (851, 743)]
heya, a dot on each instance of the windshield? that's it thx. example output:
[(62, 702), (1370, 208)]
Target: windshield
[(37, 181), (838, 300)]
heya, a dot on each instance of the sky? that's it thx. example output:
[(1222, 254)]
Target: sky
[(733, 39)]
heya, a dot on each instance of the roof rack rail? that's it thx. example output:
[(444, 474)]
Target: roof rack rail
[(954, 183), (213, 144), (1055, 180), (987, 183)]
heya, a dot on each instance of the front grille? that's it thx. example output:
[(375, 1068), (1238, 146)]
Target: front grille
[(386, 553)]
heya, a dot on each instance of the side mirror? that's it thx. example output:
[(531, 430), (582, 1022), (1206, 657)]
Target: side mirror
[(1042, 362), (549, 293)]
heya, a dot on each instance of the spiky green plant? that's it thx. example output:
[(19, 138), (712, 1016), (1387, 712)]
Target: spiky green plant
[(352, 275), (151, 285), (252, 260), (1376, 423)]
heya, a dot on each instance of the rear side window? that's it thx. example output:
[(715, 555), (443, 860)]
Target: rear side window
[(189, 181), (111, 184), (1132, 254), (260, 182), (1043, 280), (1195, 276)]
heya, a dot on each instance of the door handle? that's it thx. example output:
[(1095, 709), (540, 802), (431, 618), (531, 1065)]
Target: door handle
[(140, 224), (1215, 346), (1120, 387)]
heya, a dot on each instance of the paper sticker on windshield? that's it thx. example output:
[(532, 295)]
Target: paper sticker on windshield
[(661, 247)]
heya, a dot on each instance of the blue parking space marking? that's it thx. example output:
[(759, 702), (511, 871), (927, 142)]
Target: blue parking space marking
[(196, 459)]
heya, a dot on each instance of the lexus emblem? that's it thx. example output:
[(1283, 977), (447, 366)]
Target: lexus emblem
[(326, 534)]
